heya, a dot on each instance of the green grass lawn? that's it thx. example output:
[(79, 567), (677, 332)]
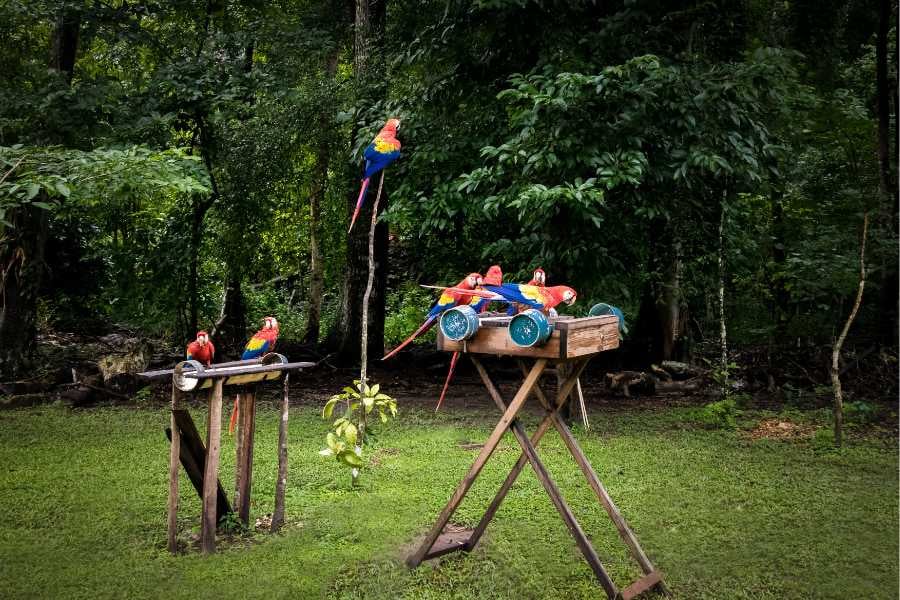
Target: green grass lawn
[(84, 507)]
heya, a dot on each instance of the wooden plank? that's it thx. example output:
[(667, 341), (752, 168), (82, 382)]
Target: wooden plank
[(193, 459), (281, 481), (490, 445), (244, 466), (582, 342), (211, 470), (495, 340), (174, 460), (543, 427), (448, 542), (647, 582), (587, 322), (216, 372)]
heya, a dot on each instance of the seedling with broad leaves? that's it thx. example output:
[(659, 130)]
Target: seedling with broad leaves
[(360, 403)]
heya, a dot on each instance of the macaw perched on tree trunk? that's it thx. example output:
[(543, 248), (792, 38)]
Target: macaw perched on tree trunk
[(262, 342), (383, 151), (201, 349), (460, 295), (494, 276)]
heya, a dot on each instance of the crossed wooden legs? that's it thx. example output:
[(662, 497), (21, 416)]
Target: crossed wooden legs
[(432, 547)]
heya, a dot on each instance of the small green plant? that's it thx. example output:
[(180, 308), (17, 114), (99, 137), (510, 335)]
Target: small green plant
[(351, 430), (860, 412), (230, 523), (143, 394), (720, 414)]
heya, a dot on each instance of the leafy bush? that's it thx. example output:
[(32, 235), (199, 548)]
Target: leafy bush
[(860, 412), (406, 310), (720, 414)]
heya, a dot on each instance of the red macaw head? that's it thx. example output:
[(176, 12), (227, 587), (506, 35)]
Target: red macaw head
[(392, 126), (270, 323), (202, 338), (539, 277), (471, 281), (562, 293), (494, 276)]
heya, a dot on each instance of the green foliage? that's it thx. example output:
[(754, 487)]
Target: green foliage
[(352, 428), (406, 309), (719, 414)]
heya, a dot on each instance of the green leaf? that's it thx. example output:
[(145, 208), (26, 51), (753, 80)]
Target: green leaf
[(63, 189), (32, 190), (350, 458), (350, 433), (326, 452), (329, 407)]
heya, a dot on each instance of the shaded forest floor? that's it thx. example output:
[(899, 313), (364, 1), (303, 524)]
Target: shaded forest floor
[(765, 510)]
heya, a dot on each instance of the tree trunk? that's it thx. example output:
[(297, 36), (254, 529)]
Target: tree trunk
[(22, 263), (369, 26), (316, 198), (231, 328), (723, 332), (836, 351), (65, 43), (779, 258)]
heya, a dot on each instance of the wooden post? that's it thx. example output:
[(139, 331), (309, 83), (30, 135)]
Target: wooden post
[(488, 449), (211, 474), (562, 372), (174, 459), (244, 479), (281, 483)]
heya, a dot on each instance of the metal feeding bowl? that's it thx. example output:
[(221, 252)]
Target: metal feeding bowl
[(530, 328), (459, 323)]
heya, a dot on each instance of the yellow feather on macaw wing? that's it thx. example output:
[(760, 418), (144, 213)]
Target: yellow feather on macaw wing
[(384, 146), (532, 292), (255, 343), (446, 299)]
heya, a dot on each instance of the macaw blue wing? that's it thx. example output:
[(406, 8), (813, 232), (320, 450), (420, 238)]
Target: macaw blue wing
[(520, 294), (377, 159), (255, 348)]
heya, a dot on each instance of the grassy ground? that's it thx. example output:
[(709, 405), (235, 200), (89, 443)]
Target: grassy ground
[(722, 515)]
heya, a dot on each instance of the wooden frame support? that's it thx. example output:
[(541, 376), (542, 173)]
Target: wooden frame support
[(244, 462), (437, 543), (174, 460), (211, 470)]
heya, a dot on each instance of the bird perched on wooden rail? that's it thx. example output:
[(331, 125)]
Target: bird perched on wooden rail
[(494, 276), (461, 294), (201, 349), (262, 342), (384, 150), (541, 298)]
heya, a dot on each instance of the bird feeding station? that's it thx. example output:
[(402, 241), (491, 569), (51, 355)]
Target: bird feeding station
[(568, 344), (201, 463)]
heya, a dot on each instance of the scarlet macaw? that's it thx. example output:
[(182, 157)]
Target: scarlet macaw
[(262, 342), (447, 300), (201, 349), (494, 276), (541, 298), (538, 278), (383, 151)]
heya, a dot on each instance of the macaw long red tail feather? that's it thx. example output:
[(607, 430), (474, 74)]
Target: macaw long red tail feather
[(447, 382), (425, 327), (359, 202), (234, 415)]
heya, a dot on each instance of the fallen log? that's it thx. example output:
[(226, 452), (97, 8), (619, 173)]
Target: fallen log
[(627, 382), (680, 370)]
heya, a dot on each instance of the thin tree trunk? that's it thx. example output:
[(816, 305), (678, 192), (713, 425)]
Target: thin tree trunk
[(883, 101), (364, 338), (65, 43), (723, 333), (231, 328), (281, 482), (836, 351)]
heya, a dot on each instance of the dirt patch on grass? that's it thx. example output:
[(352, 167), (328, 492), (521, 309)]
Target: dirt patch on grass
[(779, 429)]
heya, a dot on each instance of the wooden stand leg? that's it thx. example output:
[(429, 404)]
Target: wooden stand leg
[(243, 481), (490, 445), (544, 426), (281, 483), (653, 579), (211, 474), (528, 450), (174, 460)]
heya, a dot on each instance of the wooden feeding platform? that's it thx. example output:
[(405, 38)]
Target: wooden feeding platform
[(201, 462), (569, 346)]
